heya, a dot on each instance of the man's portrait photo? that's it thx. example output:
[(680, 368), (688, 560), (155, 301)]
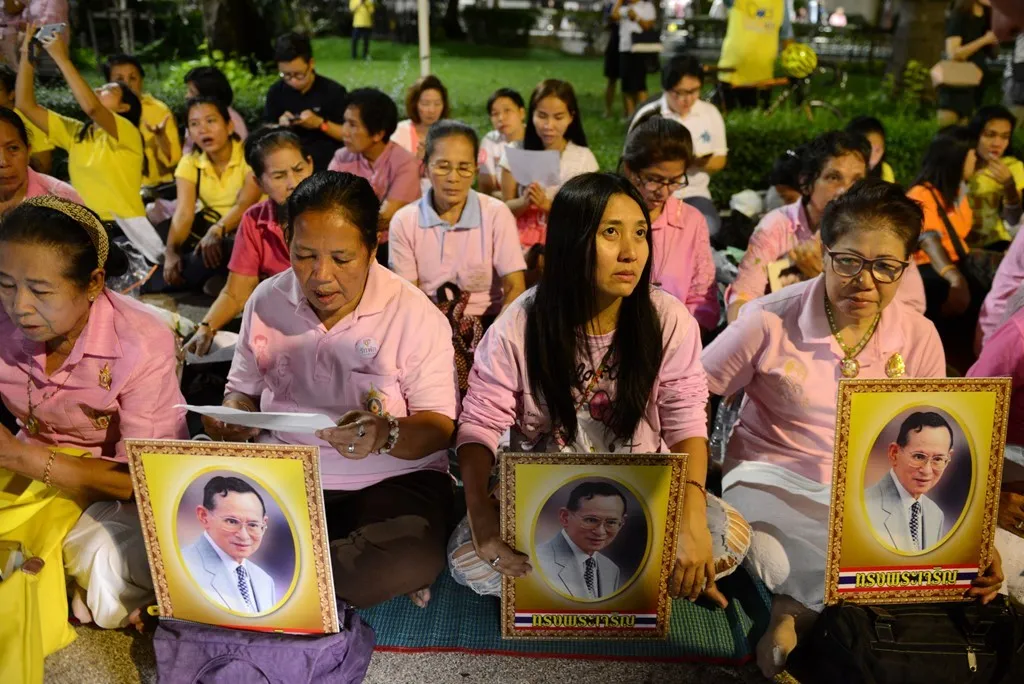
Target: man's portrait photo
[(920, 495), (239, 554), (583, 548)]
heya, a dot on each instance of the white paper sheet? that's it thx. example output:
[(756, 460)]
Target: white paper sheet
[(534, 166), (222, 349), (141, 233), (279, 422)]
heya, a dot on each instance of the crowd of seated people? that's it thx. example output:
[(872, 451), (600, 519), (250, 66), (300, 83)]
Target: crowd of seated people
[(597, 318)]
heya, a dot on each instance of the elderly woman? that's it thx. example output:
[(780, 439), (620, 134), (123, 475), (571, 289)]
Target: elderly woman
[(82, 369), (341, 335), (593, 360), (18, 181), (830, 164), (788, 351)]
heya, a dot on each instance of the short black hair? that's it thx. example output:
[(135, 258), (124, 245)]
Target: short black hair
[(830, 145), (222, 486), (865, 125), (211, 82), (11, 117), (654, 140), (786, 169), (449, 128), (121, 59), (510, 93), (919, 420), (268, 139), (346, 193), (8, 78), (674, 71), (943, 165), (378, 112), (588, 490), (872, 204), (292, 46)]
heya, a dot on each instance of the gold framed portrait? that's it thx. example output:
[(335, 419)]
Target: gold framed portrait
[(235, 534), (915, 488), (600, 531)]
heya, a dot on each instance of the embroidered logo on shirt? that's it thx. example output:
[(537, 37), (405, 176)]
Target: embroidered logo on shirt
[(99, 419), (374, 401), (705, 137), (367, 347)]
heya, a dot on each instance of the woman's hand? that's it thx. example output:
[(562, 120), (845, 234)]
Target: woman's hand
[(225, 432), (807, 258), (985, 586), (486, 529), (959, 297), (359, 434), (307, 118), (211, 246), (1011, 512), (56, 46), (160, 130), (538, 197), (174, 268), (201, 341), (694, 572)]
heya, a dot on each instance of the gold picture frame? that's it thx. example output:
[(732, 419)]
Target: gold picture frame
[(909, 523), (169, 477), (626, 596)]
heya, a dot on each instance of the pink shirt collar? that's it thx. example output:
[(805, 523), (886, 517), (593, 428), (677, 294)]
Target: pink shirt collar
[(813, 323)]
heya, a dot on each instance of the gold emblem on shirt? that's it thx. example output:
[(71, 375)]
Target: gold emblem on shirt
[(895, 367), (374, 401), (105, 379)]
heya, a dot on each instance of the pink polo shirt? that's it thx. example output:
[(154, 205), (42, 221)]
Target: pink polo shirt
[(260, 249), (683, 264), (393, 354), (1003, 356), (475, 254), (394, 175), (500, 397), (41, 184), (119, 382), (779, 232), (781, 351), (1008, 279)]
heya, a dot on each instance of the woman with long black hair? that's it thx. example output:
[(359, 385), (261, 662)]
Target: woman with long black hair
[(592, 360)]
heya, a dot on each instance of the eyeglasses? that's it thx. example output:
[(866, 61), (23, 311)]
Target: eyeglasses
[(295, 76), (919, 460), (653, 184), (849, 265), (445, 169), (691, 92), (232, 524), (592, 522)]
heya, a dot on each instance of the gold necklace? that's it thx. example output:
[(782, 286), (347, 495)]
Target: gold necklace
[(849, 366)]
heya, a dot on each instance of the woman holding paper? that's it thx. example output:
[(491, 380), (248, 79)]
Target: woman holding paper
[(592, 360), (553, 123), (788, 351), (339, 334), (831, 163), (82, 369)]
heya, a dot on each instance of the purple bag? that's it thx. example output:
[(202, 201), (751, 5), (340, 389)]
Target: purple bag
[(191, 653)]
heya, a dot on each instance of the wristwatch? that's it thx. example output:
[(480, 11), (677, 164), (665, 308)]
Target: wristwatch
[(392, 434)]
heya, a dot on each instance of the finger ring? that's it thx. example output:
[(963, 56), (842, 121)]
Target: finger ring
[(351, 448), (361, 432), (494, 563)]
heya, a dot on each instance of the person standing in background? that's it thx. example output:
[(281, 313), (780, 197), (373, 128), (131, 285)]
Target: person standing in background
[(635, 16), (16, 15), (968, 38), (751, 45), (362, 24), (1013, 83), (611, 56)]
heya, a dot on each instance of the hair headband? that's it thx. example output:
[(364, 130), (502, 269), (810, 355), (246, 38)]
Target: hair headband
[(89, 222)]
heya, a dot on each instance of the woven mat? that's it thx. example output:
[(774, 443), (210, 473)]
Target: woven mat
[(459, 620)]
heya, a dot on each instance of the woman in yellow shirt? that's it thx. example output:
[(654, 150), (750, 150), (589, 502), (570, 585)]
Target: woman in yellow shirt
[(105, 158), (995, 188), (216, 171)]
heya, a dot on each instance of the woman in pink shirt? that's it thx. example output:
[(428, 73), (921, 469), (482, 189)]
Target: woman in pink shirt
[(1008, 279), (18, 181), (369, 151), (657, 154), (279, 164), (83, 368), (788, 351), (830, 164), (592, 360), (341, 335)]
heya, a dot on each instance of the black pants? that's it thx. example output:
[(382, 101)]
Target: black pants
[(741, 98), (195, 273), (364, 35)]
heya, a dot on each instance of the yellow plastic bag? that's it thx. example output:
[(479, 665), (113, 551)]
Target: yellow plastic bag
[(35, 607)]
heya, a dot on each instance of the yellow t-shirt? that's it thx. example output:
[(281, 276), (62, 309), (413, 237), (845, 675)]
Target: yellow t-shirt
[(362, 14), (160, 168), (986, 197), (751, 41), (216, 192), (887, 175), (107, 173), (36, 138)]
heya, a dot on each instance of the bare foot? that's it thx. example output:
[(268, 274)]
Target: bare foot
[(78, 607), (137, 620), (421, 597), (775, 646)]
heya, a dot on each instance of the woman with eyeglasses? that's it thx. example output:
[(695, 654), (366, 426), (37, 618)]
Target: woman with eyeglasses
[(656, 159), (830, 164), (788, 351)]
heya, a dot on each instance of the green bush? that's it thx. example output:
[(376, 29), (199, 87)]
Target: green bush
[(505, 27)]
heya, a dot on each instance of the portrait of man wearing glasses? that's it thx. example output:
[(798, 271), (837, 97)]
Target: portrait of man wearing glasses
[(234, 520), (898, 505), (572, 560)]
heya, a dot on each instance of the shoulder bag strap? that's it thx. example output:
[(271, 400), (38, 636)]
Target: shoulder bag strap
[(954, 237)]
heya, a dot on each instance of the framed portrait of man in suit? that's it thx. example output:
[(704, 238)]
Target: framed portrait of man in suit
[(235, 534), (916, 477), (600, 532)]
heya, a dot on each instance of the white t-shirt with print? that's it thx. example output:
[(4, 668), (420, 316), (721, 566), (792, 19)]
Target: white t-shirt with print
[(707, 130), (492, 149), (645, 11), (575, 160)]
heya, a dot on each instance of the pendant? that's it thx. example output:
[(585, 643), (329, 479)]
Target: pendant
[(32, 425), (105, 379), (849, 367), (895, 367)]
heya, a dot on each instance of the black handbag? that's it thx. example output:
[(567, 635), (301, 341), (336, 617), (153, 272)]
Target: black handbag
[(925, 643), (979, 266), (204, 218)]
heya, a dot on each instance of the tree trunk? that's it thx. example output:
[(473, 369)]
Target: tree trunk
[(920, 35), (235, 27)]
